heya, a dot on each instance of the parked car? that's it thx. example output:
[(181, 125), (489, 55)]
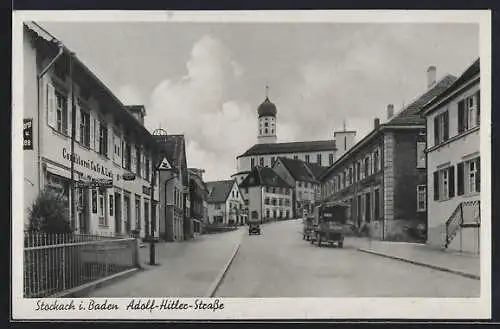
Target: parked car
[(254, 228)]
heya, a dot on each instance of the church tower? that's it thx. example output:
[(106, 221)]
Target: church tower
[(267, 121)]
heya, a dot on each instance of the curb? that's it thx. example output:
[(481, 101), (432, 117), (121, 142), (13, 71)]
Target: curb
[(216, 284), (435, 267), (85, 289)]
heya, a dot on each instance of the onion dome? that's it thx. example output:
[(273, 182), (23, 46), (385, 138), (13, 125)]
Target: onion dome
[(267, 109)]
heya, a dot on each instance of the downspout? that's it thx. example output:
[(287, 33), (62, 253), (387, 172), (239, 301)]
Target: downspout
[(40, 106)]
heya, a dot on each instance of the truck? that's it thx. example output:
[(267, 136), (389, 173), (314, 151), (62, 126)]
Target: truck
[(330, 221)]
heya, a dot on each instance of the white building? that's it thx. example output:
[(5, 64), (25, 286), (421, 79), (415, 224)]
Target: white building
[(110, 141), (225, 203), (453, 162), (268, 196), (267, 150)]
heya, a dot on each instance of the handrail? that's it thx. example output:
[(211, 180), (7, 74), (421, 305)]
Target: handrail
[(456, 220)]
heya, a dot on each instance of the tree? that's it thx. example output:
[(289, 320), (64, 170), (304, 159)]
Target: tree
[(49, 213)]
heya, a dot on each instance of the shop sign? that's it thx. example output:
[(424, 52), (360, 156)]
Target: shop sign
[(28, 134), (89, 164), (146, 190)]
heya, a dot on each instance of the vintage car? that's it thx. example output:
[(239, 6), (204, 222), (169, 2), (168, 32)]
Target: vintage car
[(254, 228), (331, 221)]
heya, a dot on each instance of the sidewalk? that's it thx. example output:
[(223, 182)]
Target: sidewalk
[(186, 269), (464, 264)]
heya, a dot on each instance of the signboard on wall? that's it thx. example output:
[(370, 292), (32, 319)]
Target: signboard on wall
[(28, 134)]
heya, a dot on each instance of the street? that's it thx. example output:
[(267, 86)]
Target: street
[(279, 263)]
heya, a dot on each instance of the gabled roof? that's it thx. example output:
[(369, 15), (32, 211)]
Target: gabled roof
[(408, 117), (411, 114), (218, 191), (264, 176), (472, 71), (291, 147), (173, 147), (316, 169), (298, 169)]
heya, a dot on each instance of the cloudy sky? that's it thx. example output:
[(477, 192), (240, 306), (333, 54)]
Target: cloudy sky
[(206, 80)]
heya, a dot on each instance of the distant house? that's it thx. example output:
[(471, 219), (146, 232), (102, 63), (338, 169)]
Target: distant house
[(225, 203), (267, 195), (175, 223), (383, 176), (454, 164), (198, 192), (303, 177)]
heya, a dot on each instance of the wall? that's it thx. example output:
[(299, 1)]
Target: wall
[(235, 199), (459, 149), (30, 109), (279, 209), (407, 176), (172, 221), (256, 201)]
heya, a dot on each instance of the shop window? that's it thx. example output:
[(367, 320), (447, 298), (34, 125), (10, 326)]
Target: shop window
[(103, 220)]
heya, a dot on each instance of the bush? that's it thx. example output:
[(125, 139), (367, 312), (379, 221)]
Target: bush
[(50, 213)]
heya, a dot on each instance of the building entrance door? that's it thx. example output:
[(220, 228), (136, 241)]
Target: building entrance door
[(126, 212), (83, 210), (118, 213)]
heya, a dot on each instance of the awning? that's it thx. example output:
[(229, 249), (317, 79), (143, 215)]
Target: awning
[(58, 171)]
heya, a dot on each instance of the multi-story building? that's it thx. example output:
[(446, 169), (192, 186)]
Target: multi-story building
[(303, 178), (267, 149), (110, 141), (383, 176), (225, 203), (174, 223), (198, 194), (454, 164), (267, 196)]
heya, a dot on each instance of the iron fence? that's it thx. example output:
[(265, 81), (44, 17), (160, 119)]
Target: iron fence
[(55, 263)]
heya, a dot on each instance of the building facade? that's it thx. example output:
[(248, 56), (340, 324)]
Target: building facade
[(268, 197), (267, 149), (383, 177), (110, 141), (226, 206), (301, 176), (174, 221), (454, 164), (198, 194)]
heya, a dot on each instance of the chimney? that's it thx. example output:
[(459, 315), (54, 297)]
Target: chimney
[(431, 76), (376, 123), (390, 111)]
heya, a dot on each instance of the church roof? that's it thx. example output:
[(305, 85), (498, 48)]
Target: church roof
[(291, 147), (267, 108)]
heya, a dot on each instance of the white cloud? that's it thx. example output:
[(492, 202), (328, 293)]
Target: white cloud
[(130, 95), (216, 127)]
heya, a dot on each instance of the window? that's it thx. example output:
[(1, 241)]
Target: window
[(280, 202), (300, 194), (421, 197), (261, 161), (358, 171), (138, 160), (252, 163), (330, 159), (148, 164), (128, 156), (468, 113), (266, 201), (307, 158), (61, 112), (318, 159), (274, 201), (84, 128), (420, 154), (273, 160), (102, 207), (376, 161), (441, 128), (444, 183), (343, 179), (350, 175), (469, 177), (272, 131), (137, 213), (110, 197), (266, 124), (217, 206), (103, 138), (300, 184), (367, 166), (265, 131)]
